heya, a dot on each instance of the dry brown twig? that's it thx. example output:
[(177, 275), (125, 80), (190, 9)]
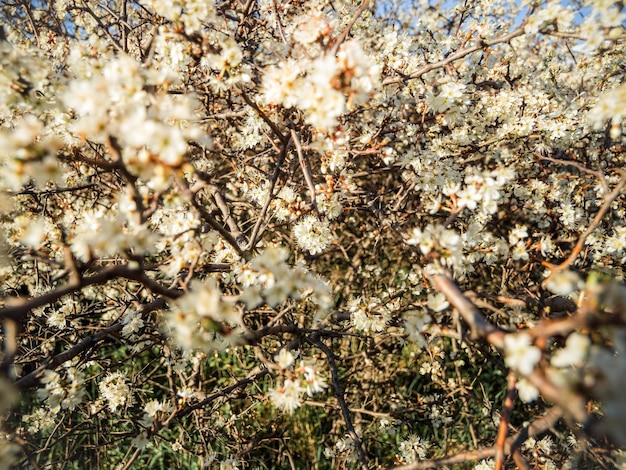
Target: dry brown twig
[(595, 223), (482, 44), (509, 402), (345, 410), (574, 405), (513, 443), (346, 31)]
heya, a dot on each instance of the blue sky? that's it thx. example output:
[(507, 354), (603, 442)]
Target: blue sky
[(449, 4)]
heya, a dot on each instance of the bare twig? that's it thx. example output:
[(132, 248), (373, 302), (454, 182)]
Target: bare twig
[(595, 223), (132, 459), (572, 403), (362, 411), (114, 148), (519, 460), (482, 44), (18, 309), (32, 379), (345, 411), (248, 7), (535, 428), (557, 327), (509, 402), (264, 116), (253, 337), (46, 192), (209, 219), (279, 25), (226, 215), (270, 195), (597, 173), (346, 31), (306, 170), (481, 328), (255, 375), (26, 6), (114, 42)]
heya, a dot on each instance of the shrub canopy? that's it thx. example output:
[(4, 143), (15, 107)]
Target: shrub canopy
[(322, 234)]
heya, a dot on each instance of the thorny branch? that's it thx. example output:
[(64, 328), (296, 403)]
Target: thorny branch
[(482, 44), (509, 401), (537, 427), (32, 379), (18, 308), (345, 410), (595, 223)]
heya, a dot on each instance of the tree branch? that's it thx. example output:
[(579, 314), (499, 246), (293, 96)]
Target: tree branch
[(509, 402), (346, 31), (481, 328), (19, 307), (345, 411), (595, 223), (270, 195), (535, 428), (32, 379), (482, 44), (306, 170)]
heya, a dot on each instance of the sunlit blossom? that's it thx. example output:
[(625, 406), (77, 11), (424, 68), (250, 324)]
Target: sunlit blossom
[(520, 354), (171, 264), (313, 234)]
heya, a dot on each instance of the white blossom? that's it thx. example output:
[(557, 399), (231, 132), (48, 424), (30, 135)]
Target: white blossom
[(312, 234), (574, 352), (115, 389), (519, 353)]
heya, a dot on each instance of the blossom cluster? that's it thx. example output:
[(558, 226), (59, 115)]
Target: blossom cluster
[(203, 317), (114, 101), (325, 88), (269, 279), (297, 381)]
